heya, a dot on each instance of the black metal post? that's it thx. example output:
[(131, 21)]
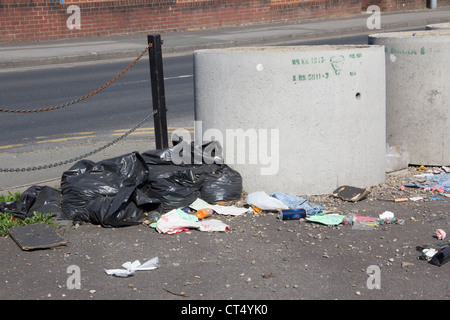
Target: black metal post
[(158, 94)]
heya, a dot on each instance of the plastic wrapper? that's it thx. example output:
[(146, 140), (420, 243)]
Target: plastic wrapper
[(265, 202), (132, 267), (396, 158)]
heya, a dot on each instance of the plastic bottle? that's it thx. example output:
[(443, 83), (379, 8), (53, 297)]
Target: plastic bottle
[(154, 216), (204, 213)]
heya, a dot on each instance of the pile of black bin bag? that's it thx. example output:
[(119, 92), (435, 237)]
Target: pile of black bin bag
[(120, 191)]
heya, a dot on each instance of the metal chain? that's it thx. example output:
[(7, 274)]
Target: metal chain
[(61, 163), (86, 95)]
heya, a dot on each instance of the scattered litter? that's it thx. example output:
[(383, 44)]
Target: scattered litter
[(36, 236), (386, 215), (364, 223), (294, 202), (204, 213), (177, 220), (422, 167), (181, 294), (428, 253), (401, 200), (441, 183), (350, 193), (263, 201), (327, 219), (199, 204), (440, 234), (291, 214), (396, 158), (416, 198), (130, 268), (441, 257)]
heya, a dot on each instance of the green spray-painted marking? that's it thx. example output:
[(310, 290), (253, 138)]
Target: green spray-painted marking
[(336, 62), (307, 61)]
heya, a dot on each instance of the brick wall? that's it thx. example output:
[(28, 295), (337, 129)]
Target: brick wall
[(38, 20), (401, 5)]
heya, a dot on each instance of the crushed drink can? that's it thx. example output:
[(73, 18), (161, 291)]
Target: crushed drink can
[(291, 214)]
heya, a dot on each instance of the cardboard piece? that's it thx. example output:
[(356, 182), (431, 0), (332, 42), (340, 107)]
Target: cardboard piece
[(36, 236), (350, 193)]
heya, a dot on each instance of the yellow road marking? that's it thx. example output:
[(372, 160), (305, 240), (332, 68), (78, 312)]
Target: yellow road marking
[(91, 134), (148, 131), (11, 146), (65, 139)]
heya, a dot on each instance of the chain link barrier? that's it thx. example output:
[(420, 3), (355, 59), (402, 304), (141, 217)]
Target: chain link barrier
[(90, 94), (61, 163)]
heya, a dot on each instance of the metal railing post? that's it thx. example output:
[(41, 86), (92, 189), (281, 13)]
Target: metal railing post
[(158, 94)]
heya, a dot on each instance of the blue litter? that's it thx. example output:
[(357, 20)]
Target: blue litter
[(442, 180), (294, 202)]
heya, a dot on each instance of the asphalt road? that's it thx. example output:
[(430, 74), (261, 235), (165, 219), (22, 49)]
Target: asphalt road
[(105, 115), (118, 107)]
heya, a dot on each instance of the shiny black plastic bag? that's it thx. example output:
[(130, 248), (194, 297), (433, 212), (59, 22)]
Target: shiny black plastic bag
[(180, 174), (221, 184), (102, 192), (42, 199)]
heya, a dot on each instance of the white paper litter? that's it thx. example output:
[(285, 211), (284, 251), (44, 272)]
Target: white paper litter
[(130, 268), (428, 253), (386, 215), (225, 210), (171, 223), (265, 202)]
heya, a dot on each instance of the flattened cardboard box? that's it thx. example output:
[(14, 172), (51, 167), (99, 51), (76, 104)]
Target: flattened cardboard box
[(36, 236)]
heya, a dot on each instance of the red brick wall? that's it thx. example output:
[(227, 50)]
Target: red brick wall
[(38, 20), (400, 5)]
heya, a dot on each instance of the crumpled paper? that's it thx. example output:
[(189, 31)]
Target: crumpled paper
[(428, 253), (225, 210), (440, 234), (176, 221), (131, 267)]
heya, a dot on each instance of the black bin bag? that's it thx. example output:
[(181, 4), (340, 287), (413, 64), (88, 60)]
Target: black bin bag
[(110, 192), (180, 174), (42, 199), (221, 184)]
